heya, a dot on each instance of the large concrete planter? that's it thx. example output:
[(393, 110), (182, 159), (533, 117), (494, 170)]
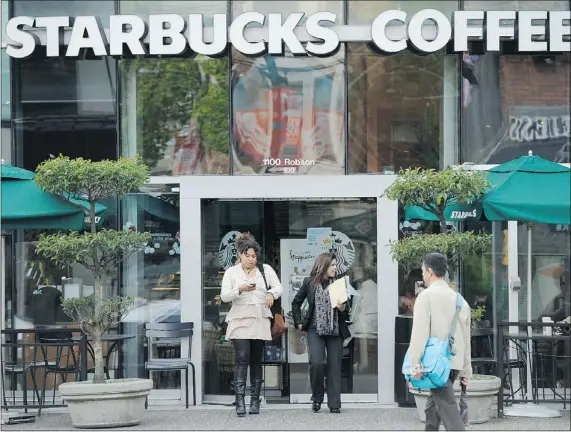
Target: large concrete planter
[(481, 391), (113, 404)]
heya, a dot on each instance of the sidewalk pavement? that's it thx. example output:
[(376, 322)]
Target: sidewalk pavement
[(286, 418)]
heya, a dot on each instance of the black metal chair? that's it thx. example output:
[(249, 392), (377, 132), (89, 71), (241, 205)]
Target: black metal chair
[(164, 332), (15, 368), (63, 363)]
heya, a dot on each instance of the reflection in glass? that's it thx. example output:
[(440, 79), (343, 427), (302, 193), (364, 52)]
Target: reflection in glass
[(40, 285), (288, 7), (152, 276), (513, 104), (4, 16), (402, 111), (410, 283), (550, 255), (281, 228), (143, 8), (175, 114), (65, 106), (288, 115), (5, 126), (515, 5), (41, 8), (365, 11), (5, 100)]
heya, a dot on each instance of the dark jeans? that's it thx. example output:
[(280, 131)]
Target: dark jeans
[(319, 363), (248, 352), (441, 407)]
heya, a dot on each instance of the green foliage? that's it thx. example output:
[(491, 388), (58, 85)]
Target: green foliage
[(409, 251), (478, 278), (171, 92), (82, 311), (108, 246), (433, 190), (477, 315), (99, 252), (93, 180)]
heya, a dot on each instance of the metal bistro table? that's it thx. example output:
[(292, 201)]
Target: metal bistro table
[(521, 341), (13, 344), (115, 340)]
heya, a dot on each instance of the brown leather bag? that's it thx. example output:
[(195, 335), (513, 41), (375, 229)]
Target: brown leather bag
[(277, 323)]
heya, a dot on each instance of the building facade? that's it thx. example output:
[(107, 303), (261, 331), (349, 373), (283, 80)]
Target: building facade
[(278, 146)]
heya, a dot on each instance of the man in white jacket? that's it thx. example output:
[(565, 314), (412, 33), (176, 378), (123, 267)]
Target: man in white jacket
[(434, 311)]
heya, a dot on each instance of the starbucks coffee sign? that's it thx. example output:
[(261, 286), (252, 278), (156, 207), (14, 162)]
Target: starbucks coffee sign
[(391, 32)]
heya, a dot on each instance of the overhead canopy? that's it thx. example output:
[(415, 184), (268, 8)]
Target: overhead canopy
[(527, 189), (26, 206)]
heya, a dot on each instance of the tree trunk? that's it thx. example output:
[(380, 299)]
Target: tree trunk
[(98, 295), (442, 225), (99, 377)]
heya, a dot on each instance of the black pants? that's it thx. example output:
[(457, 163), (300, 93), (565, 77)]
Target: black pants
[(319, 364), (248, 352)]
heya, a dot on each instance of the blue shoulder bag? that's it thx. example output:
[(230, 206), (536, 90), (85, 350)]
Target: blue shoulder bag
[(436, 359)]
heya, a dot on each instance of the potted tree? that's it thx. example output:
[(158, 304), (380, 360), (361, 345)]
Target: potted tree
[(100, 402), (436, 192)]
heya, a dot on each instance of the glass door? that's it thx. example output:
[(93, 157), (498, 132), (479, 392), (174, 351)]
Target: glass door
[(350, 227), (281, 228), (152, 277)]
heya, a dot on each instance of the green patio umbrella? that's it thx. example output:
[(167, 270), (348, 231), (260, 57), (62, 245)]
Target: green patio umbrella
[(529, 189), (26, 206), (453, 212)]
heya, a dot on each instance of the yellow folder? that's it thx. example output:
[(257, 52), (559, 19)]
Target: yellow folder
[(338, 291)]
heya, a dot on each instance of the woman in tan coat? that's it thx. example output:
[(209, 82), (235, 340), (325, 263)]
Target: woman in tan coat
[(249, 318)]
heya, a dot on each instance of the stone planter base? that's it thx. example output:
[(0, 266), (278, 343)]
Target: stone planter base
[(113, 404), (481, 391)]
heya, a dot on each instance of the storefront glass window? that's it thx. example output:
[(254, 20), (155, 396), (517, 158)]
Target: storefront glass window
[(365, 11), (65, 106), (288, 7), (40, 285), (288, 115), (6, 144), (175, 114), (73, 8), (411, 281), (550, 254), (517, 5), (144, 8), (5, 101), (281, 229), (515, 103), (152, 276), (402, 111)]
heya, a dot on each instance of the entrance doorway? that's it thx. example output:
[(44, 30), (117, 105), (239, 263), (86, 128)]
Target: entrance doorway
[(281, 229), (216, 210)]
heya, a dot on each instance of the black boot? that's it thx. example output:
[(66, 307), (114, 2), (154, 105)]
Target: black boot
[(240, 390), (255, 394)]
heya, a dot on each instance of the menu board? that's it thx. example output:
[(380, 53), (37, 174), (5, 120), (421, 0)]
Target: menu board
[(297, 258)]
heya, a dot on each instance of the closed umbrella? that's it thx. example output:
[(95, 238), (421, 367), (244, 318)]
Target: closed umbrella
[(26, 206)]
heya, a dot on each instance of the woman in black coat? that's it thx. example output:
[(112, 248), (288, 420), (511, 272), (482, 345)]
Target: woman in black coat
[(326, 328)]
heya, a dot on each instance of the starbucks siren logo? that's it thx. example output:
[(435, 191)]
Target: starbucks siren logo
[(227, 253), (344, 250)]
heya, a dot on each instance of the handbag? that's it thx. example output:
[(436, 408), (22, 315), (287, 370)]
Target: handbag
[(436, 359), (277, 323)]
